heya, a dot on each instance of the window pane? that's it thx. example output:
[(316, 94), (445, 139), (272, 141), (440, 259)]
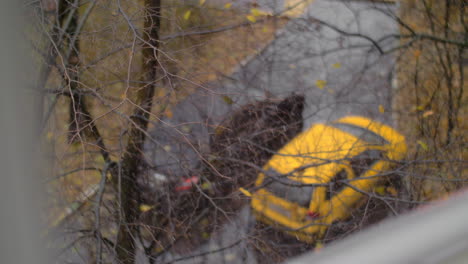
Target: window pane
[(290, 190), (337, 184), (362, 162), (361, 133)]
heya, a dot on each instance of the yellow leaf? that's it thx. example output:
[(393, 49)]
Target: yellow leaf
[(380, 190), (245, 192), (318, 246), (123, 96), (158, 249), (168, 113), (212, 158), (320, 83), (49, 136), (428, 113), (392, 191), (228, 100), (420, 107), (219, 130), (160, 92), (336, 65), (381, 109), (204, 222), (256, 12), (206, 186), (227, 5), (187, 14), (167, 148), (145, 207), (417, 53), (423, 145), (186, 129), (229, 257), (251, 18), (205, 235), (202, 2), (98, 159)]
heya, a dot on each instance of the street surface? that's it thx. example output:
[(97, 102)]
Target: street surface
[(340, 74)]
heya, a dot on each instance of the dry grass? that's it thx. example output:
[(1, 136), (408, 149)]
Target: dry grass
[(111, 72), (431, 91)]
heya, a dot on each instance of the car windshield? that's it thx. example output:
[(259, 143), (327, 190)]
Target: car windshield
[(361, 133), (290, 190), (365, 160), (337, 183)]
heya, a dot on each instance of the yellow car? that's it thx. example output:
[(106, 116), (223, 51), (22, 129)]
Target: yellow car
[(321, 175)]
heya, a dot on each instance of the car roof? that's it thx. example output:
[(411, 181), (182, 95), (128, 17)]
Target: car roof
[(322, 150), (388, 133)]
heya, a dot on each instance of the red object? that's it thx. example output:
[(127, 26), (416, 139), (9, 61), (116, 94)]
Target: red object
[(313, 215), (186, 184)]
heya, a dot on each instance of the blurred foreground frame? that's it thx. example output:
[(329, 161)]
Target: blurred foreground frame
[(435, 233), (21, 189)]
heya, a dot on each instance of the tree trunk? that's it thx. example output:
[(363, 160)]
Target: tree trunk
[(129, 195)]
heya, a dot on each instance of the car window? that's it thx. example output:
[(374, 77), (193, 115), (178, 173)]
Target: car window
[(361, 133), (289, 190), (337, 184), (363, 161)]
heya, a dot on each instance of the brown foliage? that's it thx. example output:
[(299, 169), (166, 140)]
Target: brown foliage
[(248, 137), (251, 135)]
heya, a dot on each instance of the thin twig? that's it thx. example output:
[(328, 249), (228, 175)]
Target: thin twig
[(97, 212)]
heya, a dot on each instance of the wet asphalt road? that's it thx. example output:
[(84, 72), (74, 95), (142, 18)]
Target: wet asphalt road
[(339, 75)]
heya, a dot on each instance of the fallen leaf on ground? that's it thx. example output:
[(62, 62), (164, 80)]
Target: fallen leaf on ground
[(428, 113), (145, 208), (251, 18), (318, 246), (245, 192), (228, 100), (381, 109), (320, 83), (187, 14), (423, 145)]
